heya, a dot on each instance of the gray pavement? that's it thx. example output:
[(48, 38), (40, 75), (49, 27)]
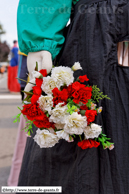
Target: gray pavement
[(8, 130)]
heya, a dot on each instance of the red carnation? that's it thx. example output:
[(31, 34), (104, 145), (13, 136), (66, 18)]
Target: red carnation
[(84, 107), (39, 82), (59, 96), (77, 86), (37, 90), (43, 72), (57, 100), (83, 78), (85, 94), (82, 95), (70, 90), (90, 114), (89, 143), (34, 98), (39, 124), (74, 88), (33, 112), (64, 95), (37, 93), (55, 92), (43, 123)]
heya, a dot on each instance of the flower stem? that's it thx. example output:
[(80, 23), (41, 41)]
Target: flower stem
[(25, 81), (80, 137)]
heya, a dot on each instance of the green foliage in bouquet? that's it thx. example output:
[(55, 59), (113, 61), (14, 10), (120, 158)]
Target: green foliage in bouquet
[(105, 141), (72, 107), (17, 117), (29, 123), (89, 103), (28, 127), (97, 95)]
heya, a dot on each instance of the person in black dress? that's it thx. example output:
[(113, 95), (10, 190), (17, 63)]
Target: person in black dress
[(96, 28)]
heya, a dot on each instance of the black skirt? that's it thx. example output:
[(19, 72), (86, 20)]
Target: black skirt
[(96, 28)]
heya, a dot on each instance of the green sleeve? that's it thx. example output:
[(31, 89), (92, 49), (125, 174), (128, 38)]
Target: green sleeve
[(41, 23), (75, 1)]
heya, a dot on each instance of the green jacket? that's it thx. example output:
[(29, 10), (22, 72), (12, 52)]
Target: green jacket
[(41, 23)]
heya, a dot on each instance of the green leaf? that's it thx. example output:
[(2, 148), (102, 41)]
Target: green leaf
[(97, 95), (47, 114), (104, 141), (90, 101), (17, 117), (70, 137), (26, 130), (29, 126), (71, 107), (83, 112), (15, 121), (80, 137), (29, 133), (28, 93)]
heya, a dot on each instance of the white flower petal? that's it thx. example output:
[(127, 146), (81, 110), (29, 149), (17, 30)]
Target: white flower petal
[(111, 147), (45, 139), (36, 74), (75, 124), (62, 75), (48, 85), (76, 66), (100, 109), (46, 103), (62, 135), (92, 131), (58, 114), (59, 125)]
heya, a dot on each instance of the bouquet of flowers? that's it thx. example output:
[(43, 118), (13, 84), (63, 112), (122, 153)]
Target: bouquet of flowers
[(64, 108)]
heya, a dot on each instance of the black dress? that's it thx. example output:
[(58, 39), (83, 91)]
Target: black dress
[(96, 28)]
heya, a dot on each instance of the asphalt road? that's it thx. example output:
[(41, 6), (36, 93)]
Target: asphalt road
[(8, 130)]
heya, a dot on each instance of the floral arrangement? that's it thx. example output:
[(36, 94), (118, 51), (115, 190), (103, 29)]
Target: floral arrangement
[(64, 108)]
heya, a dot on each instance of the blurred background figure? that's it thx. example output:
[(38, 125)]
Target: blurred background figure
[(14, 54), (18, 154), (22, 72), (21, 136), (13, 84), (4, 52), (2, 69)]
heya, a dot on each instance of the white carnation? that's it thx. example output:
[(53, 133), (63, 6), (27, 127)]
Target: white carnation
[(59, 113), (92, 131), (59, 125), (45, 139), (76, 66), (48, 85), (63, 135), (46, 103), (36, 74), (62, 75), (75, 124)]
